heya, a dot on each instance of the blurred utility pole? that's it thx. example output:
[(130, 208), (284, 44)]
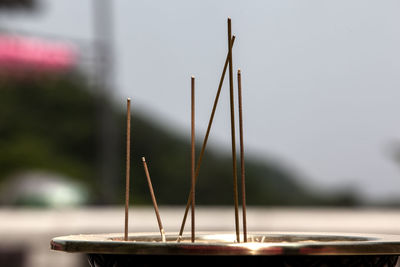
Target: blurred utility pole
[(104, 86)]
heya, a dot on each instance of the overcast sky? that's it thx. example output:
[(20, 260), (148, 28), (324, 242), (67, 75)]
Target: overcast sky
[(321, 82)]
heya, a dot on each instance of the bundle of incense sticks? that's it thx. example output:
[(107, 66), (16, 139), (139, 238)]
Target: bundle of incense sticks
[(195, 168)]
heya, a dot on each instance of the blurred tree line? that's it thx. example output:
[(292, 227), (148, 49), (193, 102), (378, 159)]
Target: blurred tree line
[(51, 123)]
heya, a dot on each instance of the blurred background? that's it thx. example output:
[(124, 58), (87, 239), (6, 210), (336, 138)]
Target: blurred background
[(320, 89)]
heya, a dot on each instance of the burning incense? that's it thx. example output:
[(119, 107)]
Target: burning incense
[(153, 198), (242, 170), (193, 159), (203, 148), (128, 159), (235, 190)]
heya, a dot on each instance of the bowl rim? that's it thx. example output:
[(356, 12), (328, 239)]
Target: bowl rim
[(223, 243)]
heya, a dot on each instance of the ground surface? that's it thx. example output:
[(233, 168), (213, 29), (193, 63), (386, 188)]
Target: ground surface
[(31, 230)]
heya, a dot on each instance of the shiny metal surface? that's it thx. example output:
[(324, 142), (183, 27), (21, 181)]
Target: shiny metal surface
[(220, 243)]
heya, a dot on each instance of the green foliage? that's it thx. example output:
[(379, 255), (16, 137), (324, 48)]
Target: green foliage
[(47, 123), (51, 123)]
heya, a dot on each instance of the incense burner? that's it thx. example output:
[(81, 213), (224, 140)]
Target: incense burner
[(217, 248)]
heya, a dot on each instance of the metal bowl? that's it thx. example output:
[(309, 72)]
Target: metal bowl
[(216, 248)]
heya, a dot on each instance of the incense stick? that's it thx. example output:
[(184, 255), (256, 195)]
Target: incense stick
[(128, 156), (221, 81), (235, 190), (193, 159), (242, 170), (153, 198)]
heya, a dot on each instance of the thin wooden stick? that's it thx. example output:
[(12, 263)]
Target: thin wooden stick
[(242, 170), (235, 189), (193, 159), (128, 158), (153, 198), (221, 81)]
